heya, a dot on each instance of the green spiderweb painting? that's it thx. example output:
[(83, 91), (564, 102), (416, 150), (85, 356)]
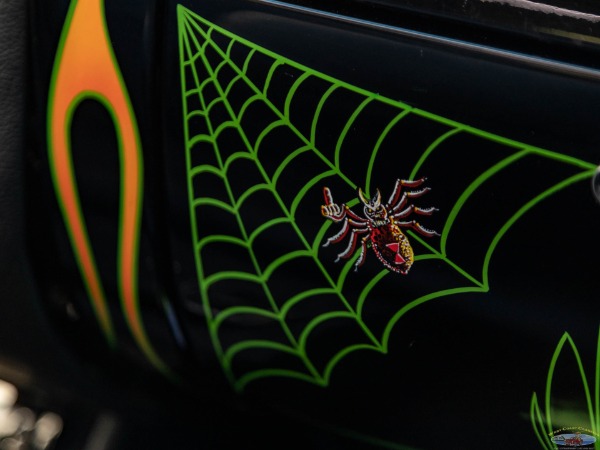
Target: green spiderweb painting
[(263, 136)]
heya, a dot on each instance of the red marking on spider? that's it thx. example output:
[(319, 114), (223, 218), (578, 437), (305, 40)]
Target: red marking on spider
[(381, 225), (395, 247)]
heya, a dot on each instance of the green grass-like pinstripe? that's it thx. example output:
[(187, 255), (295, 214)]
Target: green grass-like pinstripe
[(542, 422)]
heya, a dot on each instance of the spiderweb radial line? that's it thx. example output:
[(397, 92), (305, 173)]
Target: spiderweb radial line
[(368, 331), (185, 46), (560, 157), (289, 335), (239, 94), (436, 254), (282, 205), (290, 216), (263, 97), (208, 281), (426, 256)]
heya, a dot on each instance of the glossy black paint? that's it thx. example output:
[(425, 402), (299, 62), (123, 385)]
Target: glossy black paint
[(458, 366)]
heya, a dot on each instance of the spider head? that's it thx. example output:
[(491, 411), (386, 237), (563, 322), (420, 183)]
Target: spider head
[(373, 208)]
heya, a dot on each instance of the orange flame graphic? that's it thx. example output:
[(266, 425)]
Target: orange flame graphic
[(85, 67)]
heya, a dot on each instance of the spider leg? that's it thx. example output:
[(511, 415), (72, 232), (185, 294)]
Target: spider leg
[(425, 211), (418, 228), (344, 231), (414, 209), (334, 212), (401, 203), (405, 196), (403, 183), (352, 244), (360, 223), (414, 194), (327, 195), (337, 213), (413, 183), (354, 216), (339, 235), (363, 253), (330, 209)]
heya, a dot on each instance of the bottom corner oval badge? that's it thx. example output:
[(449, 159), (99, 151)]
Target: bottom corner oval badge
[(573, 440)]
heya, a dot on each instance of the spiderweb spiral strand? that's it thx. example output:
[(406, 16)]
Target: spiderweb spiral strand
[(254, 121)]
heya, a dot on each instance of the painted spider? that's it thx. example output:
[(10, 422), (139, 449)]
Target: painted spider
[(380, 226)]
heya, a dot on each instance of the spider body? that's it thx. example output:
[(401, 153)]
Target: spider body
[(392, 247), (381, 225)]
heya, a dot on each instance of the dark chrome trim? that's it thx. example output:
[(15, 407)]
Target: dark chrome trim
[(516, 57)]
